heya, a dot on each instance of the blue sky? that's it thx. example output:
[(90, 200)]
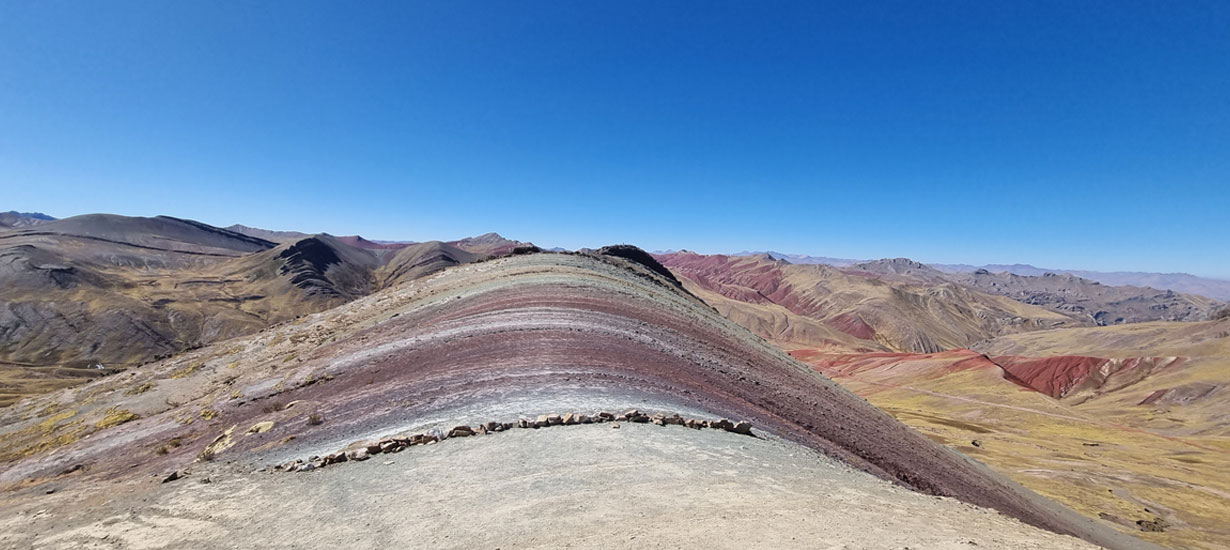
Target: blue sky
[(1070, 134)]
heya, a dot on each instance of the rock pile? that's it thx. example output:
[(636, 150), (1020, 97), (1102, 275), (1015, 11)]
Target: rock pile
[(362, 451)]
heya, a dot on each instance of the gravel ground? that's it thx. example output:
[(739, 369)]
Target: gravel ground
[(584, 486)]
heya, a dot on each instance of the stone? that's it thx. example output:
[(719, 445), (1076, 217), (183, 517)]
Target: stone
[(492, 425), (584, 419), (659, 419), (177, 474), (390, 447), (606, 415), (509, 425), (541, 421), (554, 419), (722, 424), (358, 455), (523, 423), (742, 427), (373, 448), (569, 418), (306, 467), (639, 418), (615, 425), (673, 420), (461, 431), (402, 440)]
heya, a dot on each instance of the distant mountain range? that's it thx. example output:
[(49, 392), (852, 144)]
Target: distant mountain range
[(14, 218), (1217, 289)]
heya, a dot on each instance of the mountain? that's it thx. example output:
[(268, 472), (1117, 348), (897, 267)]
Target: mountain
[(14, 218), (1068, 294), (267, 234), (801, 258), (852, 310), (1217, 289), (478, 377), (292, 236), (490, 244), (83, 296)]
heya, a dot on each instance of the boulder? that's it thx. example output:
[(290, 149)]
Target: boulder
[(358, 455), (461, 431), (722, 424), (742, 427)]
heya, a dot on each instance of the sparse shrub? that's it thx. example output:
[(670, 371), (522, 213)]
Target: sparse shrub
[(140, 389), (173, 443), (186, 371), (208, 414), (315, 419), (273, 407), (115, 417)]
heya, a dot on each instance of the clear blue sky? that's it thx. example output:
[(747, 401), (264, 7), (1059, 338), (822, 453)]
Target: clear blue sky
[(1068, 134)]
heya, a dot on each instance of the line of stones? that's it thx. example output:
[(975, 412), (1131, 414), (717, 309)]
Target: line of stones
[(395, 444)]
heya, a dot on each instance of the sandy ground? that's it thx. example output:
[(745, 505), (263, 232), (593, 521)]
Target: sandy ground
[(585, 486)]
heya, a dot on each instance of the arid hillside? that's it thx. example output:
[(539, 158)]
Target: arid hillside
[(471, 365), (1064, 293), (1127, 423), (87, 295), (820, 306)]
